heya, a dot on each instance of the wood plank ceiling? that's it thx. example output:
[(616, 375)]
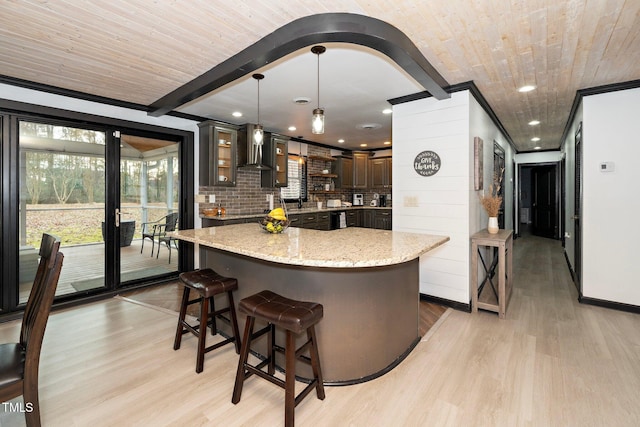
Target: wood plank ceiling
[(138, 51)]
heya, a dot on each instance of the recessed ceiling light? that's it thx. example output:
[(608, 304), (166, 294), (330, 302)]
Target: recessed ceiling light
[(387, 111), (363, 145), (341, 141), (534, 122), (236, 114), (537, 147), (535, 139), (301, 100), (292, 128), (527, 88), (387, 143)]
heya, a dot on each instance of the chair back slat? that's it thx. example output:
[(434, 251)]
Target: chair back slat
[(40, 300), (172, 222)]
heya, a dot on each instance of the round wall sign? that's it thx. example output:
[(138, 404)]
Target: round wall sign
[(427, 163)]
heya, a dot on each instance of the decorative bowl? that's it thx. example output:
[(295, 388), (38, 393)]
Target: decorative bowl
[(273, 226), (210, 211)]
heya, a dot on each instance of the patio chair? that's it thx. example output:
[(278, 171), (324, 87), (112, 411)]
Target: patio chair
[(19, 362), (167, 240), (156, 229)]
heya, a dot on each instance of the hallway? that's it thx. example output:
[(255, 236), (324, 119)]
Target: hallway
[(551, 362)]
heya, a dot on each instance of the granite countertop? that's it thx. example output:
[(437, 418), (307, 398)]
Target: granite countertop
[(292, 212), (350, 247)]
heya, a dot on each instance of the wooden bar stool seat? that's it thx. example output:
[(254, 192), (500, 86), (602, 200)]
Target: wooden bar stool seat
[(294, 317), (207, 284)]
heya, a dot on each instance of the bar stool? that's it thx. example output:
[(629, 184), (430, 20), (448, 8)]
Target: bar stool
[(295, 317), (207, 283)]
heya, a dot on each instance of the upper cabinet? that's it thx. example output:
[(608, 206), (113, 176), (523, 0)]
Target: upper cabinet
[(276, 156), (360, 166), (218, 153), (380, 172), (352, 170), (343, 169)]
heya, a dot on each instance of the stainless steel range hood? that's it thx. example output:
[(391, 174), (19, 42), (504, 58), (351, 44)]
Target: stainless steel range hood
[(250, 155)]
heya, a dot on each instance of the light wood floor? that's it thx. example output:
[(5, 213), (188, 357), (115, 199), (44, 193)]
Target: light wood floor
[(551, 362)]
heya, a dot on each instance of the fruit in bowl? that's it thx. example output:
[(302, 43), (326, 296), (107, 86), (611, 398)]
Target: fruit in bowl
[(275, 222)]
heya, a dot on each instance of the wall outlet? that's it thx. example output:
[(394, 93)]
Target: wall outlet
[(212, 198), (410, 201)]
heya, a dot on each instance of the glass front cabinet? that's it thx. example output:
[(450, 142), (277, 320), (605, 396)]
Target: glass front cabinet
[(276, 156), (218, 154)]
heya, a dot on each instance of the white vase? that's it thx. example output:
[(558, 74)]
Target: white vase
[(493, 225)]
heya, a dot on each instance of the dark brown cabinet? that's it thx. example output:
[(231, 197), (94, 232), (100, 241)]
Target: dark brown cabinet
[(218, 154), (315, 221), (380, 172), (351, 171), (360, 166), (382, 219), (343, 169), (276, 154), (377, 218), (354, 218)]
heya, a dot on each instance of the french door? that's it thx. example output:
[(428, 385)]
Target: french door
[(94, 187)]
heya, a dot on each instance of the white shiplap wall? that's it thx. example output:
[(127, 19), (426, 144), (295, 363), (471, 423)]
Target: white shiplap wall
[(445, 203), (438, 204)]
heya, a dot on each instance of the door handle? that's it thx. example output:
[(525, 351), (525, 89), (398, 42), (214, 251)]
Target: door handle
[(118, 213), (576, 217)]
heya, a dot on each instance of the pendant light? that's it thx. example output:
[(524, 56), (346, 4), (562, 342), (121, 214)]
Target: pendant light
[(300, 158), (258, 131), (317, 121)]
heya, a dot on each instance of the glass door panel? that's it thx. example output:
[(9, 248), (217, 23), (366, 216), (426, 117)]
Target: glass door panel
[(149, 197), (62, 192), (226, 165)]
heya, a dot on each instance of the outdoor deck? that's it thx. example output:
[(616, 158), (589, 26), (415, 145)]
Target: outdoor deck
[(83, 266)]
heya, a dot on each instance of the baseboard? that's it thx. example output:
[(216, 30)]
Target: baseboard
[(610, 304), (447, 303)]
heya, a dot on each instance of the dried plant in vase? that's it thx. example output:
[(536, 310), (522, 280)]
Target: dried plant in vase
[(492, 202)]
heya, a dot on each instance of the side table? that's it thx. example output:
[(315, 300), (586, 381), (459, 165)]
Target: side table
[(488, 297)]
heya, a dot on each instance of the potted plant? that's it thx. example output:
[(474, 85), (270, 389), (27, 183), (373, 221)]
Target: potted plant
[(492, 202)]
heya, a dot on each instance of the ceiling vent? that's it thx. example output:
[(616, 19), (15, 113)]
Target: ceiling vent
[(369, 126)]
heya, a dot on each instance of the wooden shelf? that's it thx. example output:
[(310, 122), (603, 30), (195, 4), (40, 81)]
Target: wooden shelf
[(323, 175), (321, 158)]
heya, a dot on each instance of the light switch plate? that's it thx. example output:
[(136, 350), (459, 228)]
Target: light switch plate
[(607, 167), (201, 198), (212, 198)]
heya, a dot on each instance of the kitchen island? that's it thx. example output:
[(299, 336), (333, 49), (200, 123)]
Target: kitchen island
[(367, 281)]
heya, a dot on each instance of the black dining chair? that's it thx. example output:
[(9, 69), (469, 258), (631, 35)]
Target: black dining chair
[(19, 362), (154, 230)]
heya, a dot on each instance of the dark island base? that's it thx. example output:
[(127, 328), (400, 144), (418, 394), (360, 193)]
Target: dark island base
[(371, 315)]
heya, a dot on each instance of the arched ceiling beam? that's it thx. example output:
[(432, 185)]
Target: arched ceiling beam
[(322, 28)]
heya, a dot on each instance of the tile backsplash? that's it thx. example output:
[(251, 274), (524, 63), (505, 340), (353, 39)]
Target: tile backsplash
[(249, 197)]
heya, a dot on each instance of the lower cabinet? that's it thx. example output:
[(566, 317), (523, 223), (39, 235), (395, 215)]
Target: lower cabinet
[(376, 218), (315, 221), (295, 220), (324, 221), (367, 218), (215, 222), (354, 218), (382, 220)]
